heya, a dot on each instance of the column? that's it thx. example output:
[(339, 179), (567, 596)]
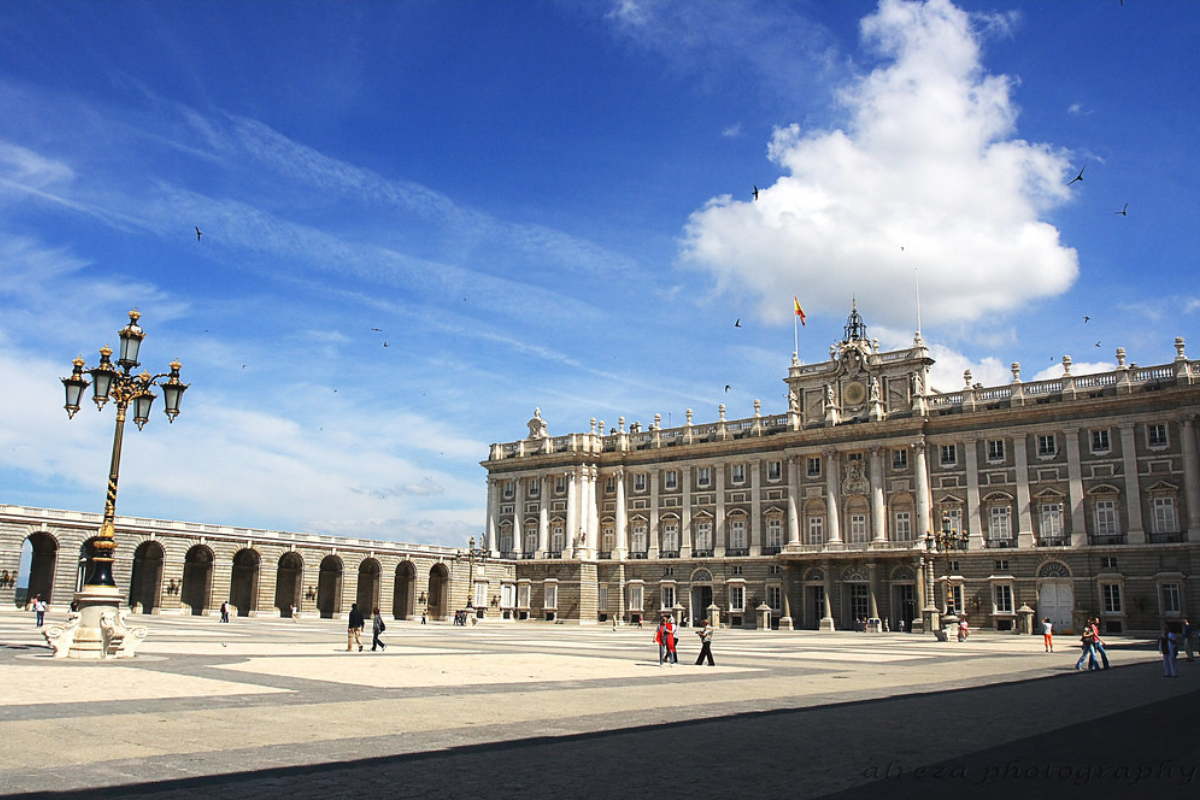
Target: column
[(793, 502), (572, 514), (924, 502), (878, 506), (756, 508), (1133, 492), (492, 511), (1191, 476), (1075, 489), (685, 513), (873, 571), (970, 521), (543, 542), (832, 498), (827, 623), (1024, 512), (719, 532), (591, 514), (652, 529), (619, 545), (519, 485)]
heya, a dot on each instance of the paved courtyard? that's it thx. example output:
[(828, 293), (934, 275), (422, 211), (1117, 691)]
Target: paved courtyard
[(270, 708)]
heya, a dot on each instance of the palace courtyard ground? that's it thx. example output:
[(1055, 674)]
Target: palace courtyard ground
[(266, 707)]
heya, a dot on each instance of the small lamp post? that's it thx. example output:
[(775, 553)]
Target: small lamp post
[(119, 384), (945, 541)]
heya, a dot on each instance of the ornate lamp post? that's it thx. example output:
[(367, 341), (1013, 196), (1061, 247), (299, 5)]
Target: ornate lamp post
[(473, 553), (945, 541), (124, 388)]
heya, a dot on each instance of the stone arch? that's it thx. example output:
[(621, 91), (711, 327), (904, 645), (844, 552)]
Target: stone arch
[(814, 576), (38, 578), (329, 587), (196, 592), (367, 596), (289, 578), (903, 574), (438, 597), (145, 582), (403, 593), (855, 574), (1054, 569), (243, 585), (702, 576)]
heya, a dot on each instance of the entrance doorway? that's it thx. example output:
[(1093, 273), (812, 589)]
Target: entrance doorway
[(905, 595), (329, 587), (402, 596), (40, 552), (702, 597), (1056, 599), (815, 607), (289, 576), (146, 580), (197, 580), (243, 587)]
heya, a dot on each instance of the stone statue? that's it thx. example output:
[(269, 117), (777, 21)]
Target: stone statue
[(829, 395), (537, 426), (793, 402), (916, 385), (874, 390)]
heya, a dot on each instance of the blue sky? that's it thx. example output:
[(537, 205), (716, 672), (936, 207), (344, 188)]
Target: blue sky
[(548, 204)]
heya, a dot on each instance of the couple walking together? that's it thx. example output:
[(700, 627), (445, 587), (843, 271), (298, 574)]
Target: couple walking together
[(667, 639)]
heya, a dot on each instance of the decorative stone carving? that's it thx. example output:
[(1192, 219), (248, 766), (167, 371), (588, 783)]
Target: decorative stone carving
[(537, 426), (856, 482)]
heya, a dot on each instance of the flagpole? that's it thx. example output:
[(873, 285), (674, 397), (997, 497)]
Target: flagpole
[(796, 329)]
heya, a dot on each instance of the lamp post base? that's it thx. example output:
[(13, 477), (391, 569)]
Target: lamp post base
[(98, 630)]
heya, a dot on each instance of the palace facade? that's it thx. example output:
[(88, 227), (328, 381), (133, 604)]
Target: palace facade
[(872, 497)]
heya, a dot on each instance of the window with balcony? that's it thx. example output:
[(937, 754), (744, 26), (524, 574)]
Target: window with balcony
[(1000, 523), (1164, 515), (608, 539), (816, 530), (531, 542), (704, 537), (1106, 517), (737, 534), (670, 537), (775, 533), (509, 490), (557, 538), (902, 526), (858, 528), (1052, 521), (637, 538)]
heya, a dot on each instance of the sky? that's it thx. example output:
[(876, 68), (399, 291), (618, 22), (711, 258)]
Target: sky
[(422, 220)]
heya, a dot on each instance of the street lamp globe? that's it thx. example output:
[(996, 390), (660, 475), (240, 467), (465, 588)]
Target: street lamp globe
[(74, 387), (131, 341)]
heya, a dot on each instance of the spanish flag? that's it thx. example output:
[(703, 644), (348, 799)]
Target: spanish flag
[(799, 310)]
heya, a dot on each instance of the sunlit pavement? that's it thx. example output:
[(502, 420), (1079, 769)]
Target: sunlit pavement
[(263, 707)]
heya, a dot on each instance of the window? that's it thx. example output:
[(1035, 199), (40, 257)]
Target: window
[(639, 482), (506, 539), (610, 484), (954, 514), (637, 538), (1002, 565), (703, 476), (704, 535), (949, 455), (775, 569), (999, 519), (1164, 515), (814, 467), (1047, 445), (1003, 598), (858, 527), (995, 450), (1111, 595), (1110, 562), (774, 532), (602, 597), (635, 597), (954, 566), (557, 538), (508, 490), (1156, 435), (531, 539), (671, 479), (1052, 520), (903, 527), (736, 569), (775, 597), (1100, 443), (1172, 599), (535, 487), (481, 599), (860, 600), (560, 484), (1106, 517), (737, 598), (523, 595), (899, 459), (507, 595), (608, 538), (816, 530), (551, 595), (668, 596), (737, 534), (670, 537), (739, 473), (955, 600), (774, 470), (668, 572)]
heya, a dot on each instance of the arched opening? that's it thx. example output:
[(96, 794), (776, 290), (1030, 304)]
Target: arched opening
[(289, 577), (329, 587), (368, 585), (439, 585), (405, 586), (701, 596), (243, 586), (197, 580), (146, 581), (39, 554)]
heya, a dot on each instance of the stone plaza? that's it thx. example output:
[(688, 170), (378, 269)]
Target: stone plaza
[(269, 707)]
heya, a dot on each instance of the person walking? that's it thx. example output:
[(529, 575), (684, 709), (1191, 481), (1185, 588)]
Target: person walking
[(295, 614), (1097, 642), (660, 638), (1088, 641), (354, 629), (1166, 646), (39, 608), (424, 616), (225, 611), (705, 635), (1189, 639), (672, 641), (1048, 635), (377, 627)]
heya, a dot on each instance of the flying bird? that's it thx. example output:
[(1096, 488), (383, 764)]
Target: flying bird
[(1085, 320), (738, 323), (755, 192), (727, 388), (1078, 177), (198, 234), (385, 344), (1097, 344), (1123, 211), (380, 330)]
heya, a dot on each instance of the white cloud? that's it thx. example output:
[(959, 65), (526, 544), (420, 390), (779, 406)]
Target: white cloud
[(732, 131), (927, 173)]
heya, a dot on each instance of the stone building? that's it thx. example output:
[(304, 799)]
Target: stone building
[(872, 497), (186, 568)]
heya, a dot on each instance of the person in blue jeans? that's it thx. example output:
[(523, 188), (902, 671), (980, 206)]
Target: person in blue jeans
[(1097, 642), (1089, 649)]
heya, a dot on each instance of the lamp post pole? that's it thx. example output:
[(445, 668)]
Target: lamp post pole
[(124, 388), (945, 541)]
